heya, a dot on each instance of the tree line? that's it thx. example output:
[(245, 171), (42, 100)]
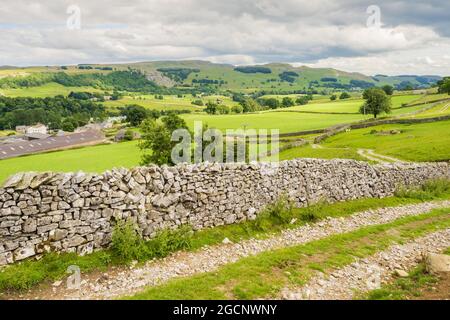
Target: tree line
[(56, 112)]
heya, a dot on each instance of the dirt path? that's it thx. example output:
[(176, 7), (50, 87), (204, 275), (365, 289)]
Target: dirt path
[(366, 153), (126, 281), (369, 273), (371, 155)]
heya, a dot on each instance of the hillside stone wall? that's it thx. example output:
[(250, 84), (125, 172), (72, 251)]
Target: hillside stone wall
[(76, 212)]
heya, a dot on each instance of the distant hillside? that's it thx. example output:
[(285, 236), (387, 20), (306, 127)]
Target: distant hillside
[(273, 77), (403, 81)]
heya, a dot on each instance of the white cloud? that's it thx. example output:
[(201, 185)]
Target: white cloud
[(321, 33), (425, 61)]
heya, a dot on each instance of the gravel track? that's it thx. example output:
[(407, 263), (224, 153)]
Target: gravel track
[(126, 281), (367, 274)]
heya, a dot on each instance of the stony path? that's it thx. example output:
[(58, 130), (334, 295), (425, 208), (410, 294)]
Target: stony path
[(368, 273), (127, 281)]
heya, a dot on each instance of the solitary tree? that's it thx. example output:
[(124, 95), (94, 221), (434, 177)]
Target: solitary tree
[(333, 97), (377, 101), (156, 137)]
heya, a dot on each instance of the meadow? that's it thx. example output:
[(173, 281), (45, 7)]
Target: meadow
[(169, 102), (415, 142), (48, 90), (419, 142), (289, 120), (441, 109), (284, 121), (89, 159), (351, 105)]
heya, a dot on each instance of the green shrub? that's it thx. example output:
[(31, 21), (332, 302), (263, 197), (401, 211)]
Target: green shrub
[(128, 245), (279, 213), (168, 241), (314, 212), (430, 189)]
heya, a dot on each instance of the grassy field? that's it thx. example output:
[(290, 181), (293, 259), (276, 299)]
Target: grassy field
[(287, 120), (417, 142), (5, 132), (441, 109), (350, 106), (48, 90), (422, 142), (432, 97), (89, 159), (284, 121), (169, 102)]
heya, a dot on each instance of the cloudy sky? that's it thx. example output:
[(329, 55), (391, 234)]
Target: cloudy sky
[(377, 36)]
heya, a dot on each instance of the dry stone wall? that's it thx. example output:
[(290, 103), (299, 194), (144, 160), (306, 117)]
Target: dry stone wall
[(76, 212)]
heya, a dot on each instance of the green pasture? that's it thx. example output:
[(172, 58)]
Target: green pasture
[(416, 142), (432, 97), (441, 109), (349, 106), (5, 132), (284, 121), (89, 159), (48, 90), (169, 102)]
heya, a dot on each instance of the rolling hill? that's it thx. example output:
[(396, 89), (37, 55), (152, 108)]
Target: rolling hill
[(273, 77)]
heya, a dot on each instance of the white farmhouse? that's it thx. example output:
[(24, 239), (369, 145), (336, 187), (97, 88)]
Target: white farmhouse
[(38, 128)]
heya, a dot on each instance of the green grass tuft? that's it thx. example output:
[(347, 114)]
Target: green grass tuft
[(429, 190), (402, 288), (128, 245)]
